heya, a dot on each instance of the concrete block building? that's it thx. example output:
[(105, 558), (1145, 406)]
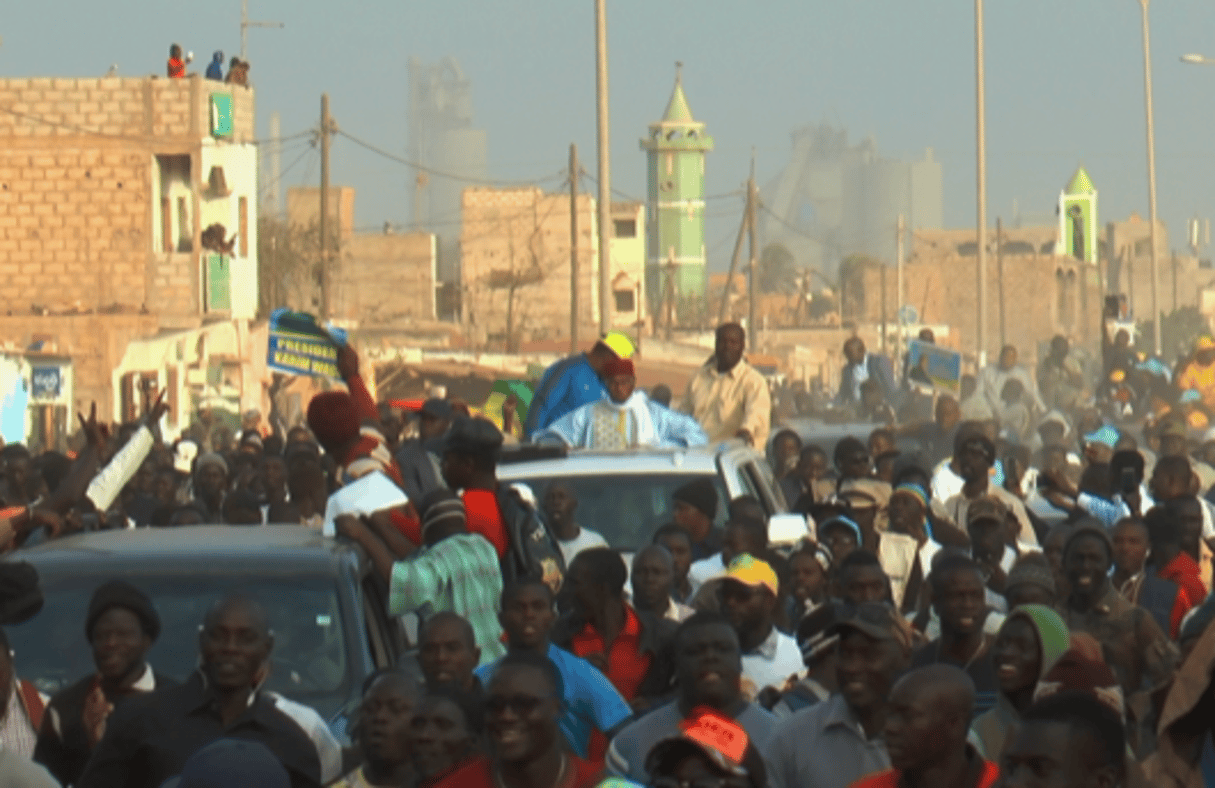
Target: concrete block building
[(128, 206)]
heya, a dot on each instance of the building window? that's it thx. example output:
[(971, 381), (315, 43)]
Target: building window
[(625, 301), (625, 228), (173, 193)]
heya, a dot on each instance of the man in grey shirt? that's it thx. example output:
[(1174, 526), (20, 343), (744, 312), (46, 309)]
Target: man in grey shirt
[(839, 741), (708, 669)]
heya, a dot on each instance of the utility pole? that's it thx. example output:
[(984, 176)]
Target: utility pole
[(1151, 157), (738, 242), (276, 164), (1000, 279), (324, 220), (981, 188), (573, 248), (245, 24), (899, 300), (605, 174), (753, 283)]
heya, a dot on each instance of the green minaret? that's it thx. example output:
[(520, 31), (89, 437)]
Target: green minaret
[(676, 148)]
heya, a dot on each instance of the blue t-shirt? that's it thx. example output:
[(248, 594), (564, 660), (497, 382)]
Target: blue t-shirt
[(590, 699), (566, 385)]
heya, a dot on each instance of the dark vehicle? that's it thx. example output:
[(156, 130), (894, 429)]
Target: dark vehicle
[(328, 611)]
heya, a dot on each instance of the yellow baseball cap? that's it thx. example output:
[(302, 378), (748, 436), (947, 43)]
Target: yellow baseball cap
[(619, 343), (751, 571)]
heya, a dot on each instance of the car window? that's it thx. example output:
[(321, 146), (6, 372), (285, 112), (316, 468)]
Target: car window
[(310, 661), (625, 509)]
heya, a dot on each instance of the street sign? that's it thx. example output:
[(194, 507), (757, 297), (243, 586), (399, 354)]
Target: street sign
[(908, 315)]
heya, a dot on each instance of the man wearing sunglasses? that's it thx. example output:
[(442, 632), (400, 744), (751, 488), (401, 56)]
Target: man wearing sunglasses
[(523, 722), (590, 702)]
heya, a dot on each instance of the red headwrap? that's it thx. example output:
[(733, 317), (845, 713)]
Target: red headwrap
[(619, 366), (333, 419)]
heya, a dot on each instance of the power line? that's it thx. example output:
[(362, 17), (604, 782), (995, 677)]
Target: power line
[(91, 132), (282, 175), (440, 173), (794, 227)]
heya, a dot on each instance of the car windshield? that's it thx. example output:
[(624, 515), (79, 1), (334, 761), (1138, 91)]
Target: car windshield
[(309, 661), (625, 508)]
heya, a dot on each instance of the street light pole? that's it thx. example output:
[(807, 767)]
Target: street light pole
[(981, 154), (605, 174), (1151, 162)]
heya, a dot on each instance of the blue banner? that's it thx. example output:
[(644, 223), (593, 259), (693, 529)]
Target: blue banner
[(934, 365), (300, 346)]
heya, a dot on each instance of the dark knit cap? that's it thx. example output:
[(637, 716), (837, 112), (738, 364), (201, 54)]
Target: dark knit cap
[(119, 593), (1090, 526), (699, 494), (1031, 573), (441, 506), (333, 419), (473, 436)]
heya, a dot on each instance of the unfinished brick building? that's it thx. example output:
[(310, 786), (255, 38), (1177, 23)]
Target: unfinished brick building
[(108, 188)]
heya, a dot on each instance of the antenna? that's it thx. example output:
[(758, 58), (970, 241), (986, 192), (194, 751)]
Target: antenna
[(245, 24)]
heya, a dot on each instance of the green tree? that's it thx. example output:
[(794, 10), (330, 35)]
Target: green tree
[(777, 270), (289, 272)]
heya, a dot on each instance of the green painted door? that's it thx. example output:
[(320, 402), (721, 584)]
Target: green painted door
[(219, 294)]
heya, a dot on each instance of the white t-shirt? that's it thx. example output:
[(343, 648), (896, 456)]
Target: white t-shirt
[(706, 569), (585, 540), (777, 658)]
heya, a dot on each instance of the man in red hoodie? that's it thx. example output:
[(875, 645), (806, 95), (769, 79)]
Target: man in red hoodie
[(347, 425), (1169, 562)]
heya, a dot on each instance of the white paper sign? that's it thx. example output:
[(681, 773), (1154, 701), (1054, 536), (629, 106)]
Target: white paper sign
[(372, 493)]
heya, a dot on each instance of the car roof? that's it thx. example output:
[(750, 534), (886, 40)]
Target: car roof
[(207, 548), (645, 461)]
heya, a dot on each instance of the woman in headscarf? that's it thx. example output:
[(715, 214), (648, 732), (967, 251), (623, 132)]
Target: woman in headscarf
[(1031, 640)]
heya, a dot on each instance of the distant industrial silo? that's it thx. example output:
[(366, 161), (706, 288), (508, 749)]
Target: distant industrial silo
[(453, 156)]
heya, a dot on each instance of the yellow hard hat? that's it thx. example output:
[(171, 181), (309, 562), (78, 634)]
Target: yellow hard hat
[(619, 343)]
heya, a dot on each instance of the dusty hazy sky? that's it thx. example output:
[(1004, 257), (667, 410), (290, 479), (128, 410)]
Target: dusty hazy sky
[(1064, 85)]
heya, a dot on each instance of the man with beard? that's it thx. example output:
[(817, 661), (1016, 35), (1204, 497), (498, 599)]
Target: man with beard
[(384, 725), (149, 738), (839, 740), (708, 673), (121, 626), (522, 721), (926, 730), (446, 732), (1132, 642)]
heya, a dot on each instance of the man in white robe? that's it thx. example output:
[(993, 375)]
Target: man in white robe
[(627, 419)]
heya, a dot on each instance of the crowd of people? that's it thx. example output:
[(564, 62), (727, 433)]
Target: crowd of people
[(238, 70), (1014, 591)]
